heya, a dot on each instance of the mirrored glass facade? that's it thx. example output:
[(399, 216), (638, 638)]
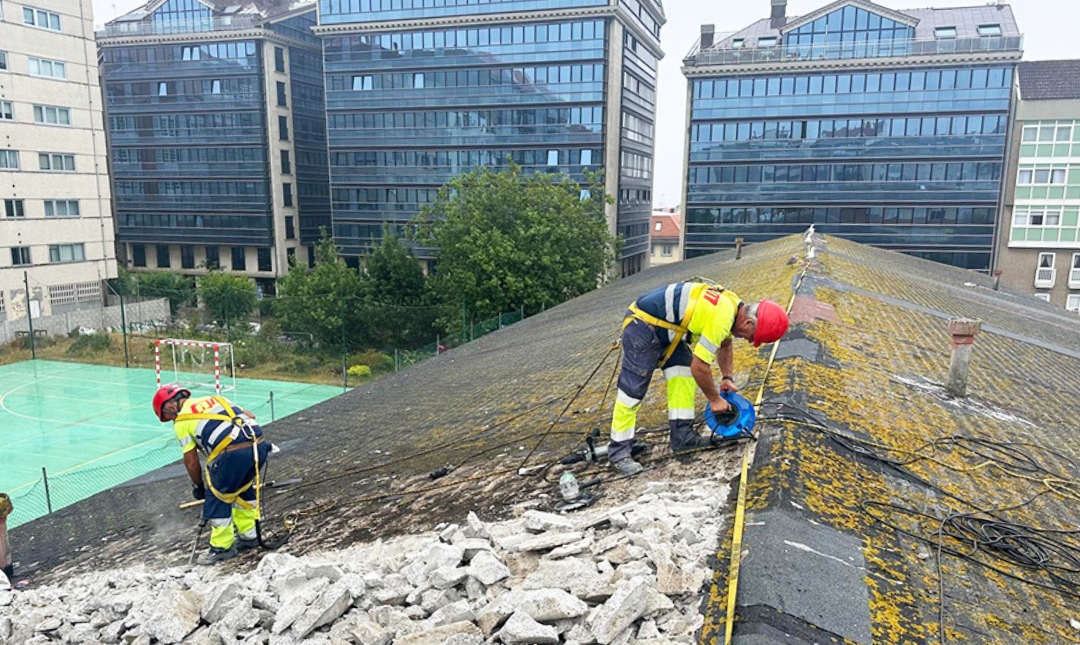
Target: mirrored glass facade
[(908, 156)]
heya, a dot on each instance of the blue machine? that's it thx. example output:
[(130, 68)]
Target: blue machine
[(733, 426)]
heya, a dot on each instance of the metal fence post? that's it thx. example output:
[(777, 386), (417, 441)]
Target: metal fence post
[(271, 406), (48, 497)]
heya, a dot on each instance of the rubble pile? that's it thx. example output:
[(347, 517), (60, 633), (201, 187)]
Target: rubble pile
[(627, 574)]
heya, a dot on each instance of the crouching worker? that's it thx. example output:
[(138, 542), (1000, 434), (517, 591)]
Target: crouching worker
[(234, 453), (658, 332)]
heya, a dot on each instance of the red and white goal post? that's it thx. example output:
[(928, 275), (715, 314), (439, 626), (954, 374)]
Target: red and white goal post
[(197, 363)]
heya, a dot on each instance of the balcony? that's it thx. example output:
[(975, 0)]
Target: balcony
[(853, 51), (1045, 278), (162, 28), (1074, 278)]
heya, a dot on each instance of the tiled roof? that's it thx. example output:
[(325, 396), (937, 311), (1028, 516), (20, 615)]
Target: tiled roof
[(966, 20), (668, 226), (861, 464), (1048, 80)]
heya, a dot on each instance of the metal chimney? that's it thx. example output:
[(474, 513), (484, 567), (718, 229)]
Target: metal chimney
[(708, 32), (779, 14)]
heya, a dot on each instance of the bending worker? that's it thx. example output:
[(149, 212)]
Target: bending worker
[(656, 333), (231, 442)]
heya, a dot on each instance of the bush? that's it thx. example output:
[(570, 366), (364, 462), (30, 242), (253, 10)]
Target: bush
[(362, 371), (377, 361), (258, 350), (23, 342), (91, 343)]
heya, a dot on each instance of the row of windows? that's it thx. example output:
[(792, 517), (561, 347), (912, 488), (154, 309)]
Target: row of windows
[(634, 165), (58, 254), (849, 128), (1037, 216), (817, 84), (578, 116), (189, 122), (188, 155), (1047, 133), (190, 188), (840, 215), (213, 256), (46, 68), (470, 78), (465, 158), (642, 13), (57, 162), (879, 172), (636, 86), (181, 11), (853, 19), (52, 115), (238, 87), (1042, 176), (369, 199), (635, 48), (360, 47), (637, 128), (161, 221), (41, 18), (241, 51), (420, 8)]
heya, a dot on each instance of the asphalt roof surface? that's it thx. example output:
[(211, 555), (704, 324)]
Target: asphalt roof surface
[(863, 463)]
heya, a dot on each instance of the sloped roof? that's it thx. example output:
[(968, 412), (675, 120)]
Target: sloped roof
[(1049, 80), (266, 9), (668, 226), (965, 19), (862, 460)]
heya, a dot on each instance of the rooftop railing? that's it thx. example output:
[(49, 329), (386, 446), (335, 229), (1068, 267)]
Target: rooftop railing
[(850, 51), (166, 27)]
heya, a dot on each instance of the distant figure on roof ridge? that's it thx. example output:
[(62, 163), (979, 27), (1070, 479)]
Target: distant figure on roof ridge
[(232, 443), (657, 332)]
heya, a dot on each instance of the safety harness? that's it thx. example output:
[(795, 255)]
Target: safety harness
[(680, 329), (239, 429)]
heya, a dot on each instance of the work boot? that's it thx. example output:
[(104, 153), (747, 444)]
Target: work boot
[(684, 438), (243, 544), (627, 467), (216, 555)]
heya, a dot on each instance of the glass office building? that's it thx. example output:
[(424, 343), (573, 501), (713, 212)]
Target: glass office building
[(217, 136), (419, 91), (886, 127)]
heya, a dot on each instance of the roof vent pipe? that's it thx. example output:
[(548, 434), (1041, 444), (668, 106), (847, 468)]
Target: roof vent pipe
[(708, 32), (963, 332)]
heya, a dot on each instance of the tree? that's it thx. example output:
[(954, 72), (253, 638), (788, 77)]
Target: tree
[(177, 289), (396, 289), (229, 299), (508, 240), (322, 301)]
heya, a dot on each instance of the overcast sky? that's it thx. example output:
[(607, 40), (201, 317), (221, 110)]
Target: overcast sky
[(1049, 27)]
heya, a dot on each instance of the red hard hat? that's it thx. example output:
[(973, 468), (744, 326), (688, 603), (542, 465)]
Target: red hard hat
[(772, 323), (165, 394)]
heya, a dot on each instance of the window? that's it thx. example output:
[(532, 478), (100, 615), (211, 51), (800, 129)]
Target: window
[(586, 157), (138, 255), (215, 86), (553, 157), (239, 260), (213, 257), (286, 194), (190, 53), (666, 251), (43, 19), (281, 94), (283, 128), (264, 260), (7, 111), (989, 30), (418, 81), (1041, 176), (66, 253), (290, 229), (3, 60), (47, 68), (658, 226), (1047, 133), (13, 208), (187, 256), (737, 43), (52, 115), (61, 208), (20, 255), (1043, 296), (162, 256), (9, 159), (311, 257), (286, 164), (163, 89), (1074, 273), (1046, 260), (56, 162), (762, 42), (945, 32), (279, 59), (1072, 303), (361, 83)]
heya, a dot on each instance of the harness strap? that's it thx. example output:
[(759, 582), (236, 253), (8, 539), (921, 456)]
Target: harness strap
[(238, 422), (680, 329)]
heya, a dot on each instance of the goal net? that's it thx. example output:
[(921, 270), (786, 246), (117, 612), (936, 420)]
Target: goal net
[(195, 364)]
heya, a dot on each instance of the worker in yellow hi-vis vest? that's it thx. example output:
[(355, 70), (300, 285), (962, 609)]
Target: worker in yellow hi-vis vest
[(234, 454), (658, 331)]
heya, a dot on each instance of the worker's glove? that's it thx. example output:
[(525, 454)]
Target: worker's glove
[(198, 492)]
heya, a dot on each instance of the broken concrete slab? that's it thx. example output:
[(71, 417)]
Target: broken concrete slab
[(452, 613), (627, 604), (520, 628), (179, 616), (487, 568), (544, 541), (538, 522), (550, 605), (328, 607), (440, 635)]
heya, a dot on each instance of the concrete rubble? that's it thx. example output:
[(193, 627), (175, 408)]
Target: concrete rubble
[(631, 573)]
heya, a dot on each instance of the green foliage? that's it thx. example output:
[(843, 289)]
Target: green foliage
[(509, 239), (91, 343), (377, 361), (362, 371), (258, 349), (229, 299), (395, 290), (177, 289), (40, 341), (123, 284), (322, 301)]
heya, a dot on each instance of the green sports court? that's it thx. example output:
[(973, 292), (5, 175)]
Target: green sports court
[(91, 427)]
